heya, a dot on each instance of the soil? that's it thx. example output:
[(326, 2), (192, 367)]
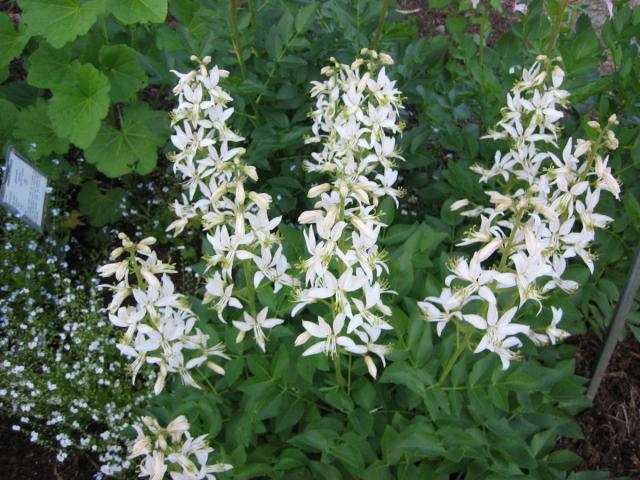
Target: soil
[(610, 426), (434, 21), (22, 459)]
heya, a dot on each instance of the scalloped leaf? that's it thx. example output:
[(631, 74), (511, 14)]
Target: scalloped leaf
[(12, 41), (139, 11), (133, 147), (60, 21), (49, 66), (101, 207), (33, 127), (79, 104), (119, 64)]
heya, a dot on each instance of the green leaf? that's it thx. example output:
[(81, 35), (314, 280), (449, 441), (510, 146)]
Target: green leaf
[(60, 21), (290, 417), (304, 16), (632, 206), (12, 41), (439, 3), (33, 127), (119, 64), (291, 458), (419, 439), (315, 439), (403, 374), (564, 459), (8, 115), (78, 105), (279, 35), (139, 11), (101, 207), (48, 66), (134, 146)]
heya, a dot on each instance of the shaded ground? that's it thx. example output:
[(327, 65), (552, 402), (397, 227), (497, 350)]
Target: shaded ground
[(433, 21), (20, 459), (610, 426)]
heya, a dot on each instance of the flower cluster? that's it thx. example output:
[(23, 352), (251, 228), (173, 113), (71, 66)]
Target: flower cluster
[(239, 230), (172, 450), (61, 378), (355, 121), (160, 323), (544, 214)]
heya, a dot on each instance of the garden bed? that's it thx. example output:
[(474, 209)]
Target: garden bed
[(611, 437)]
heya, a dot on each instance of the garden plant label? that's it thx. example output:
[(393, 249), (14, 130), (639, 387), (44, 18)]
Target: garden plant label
[(24, 190)]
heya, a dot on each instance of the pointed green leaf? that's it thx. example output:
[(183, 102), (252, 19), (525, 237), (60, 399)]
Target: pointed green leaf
[(78, 105), (133, 147), (48, 66), (12, 41), (33, 127), (139, 11), (60, 21), (119, 64)]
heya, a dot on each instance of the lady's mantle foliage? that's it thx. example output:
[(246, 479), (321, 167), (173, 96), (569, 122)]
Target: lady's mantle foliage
[(542, 213)]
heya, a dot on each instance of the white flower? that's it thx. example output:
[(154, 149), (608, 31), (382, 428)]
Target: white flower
[(256, 324), (451, 304), (553, 332), (330, 336), (499, 332)]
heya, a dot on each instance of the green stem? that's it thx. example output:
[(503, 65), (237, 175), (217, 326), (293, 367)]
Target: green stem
[(509, 244), (132, 33), (483, 23), (454, 358), (237, 45), (336, 364), (136, 269), (251, 294), (349, 377), (557, 25), (380, 28), (252, 10)]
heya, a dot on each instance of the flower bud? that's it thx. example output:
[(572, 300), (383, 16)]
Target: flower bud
[(318, 190), (458, 204)]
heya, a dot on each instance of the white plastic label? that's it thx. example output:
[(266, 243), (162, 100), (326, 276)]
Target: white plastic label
[(24, 189)]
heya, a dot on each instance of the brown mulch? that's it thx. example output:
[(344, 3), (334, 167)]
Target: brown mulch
[(610, 426), (434, 21)]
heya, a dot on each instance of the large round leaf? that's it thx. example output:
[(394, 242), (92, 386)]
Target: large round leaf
[(139, 11), (119, 64), (34, 130), (49, 66), (78, 105), (134, 146), (12, 41), (60, 21)]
